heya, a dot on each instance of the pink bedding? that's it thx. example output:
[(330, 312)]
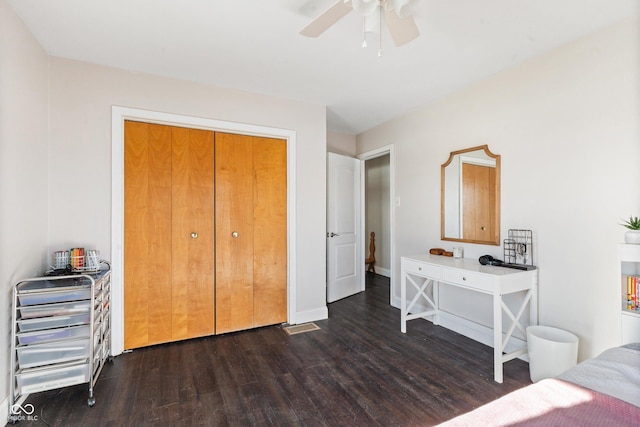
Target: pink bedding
[(552, 402)]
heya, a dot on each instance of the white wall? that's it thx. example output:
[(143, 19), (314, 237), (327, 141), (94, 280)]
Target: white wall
[(80, 145), (23, 169), (341, 143), (567, 125)]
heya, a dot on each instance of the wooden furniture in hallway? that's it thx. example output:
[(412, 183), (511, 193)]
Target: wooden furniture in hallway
[(371, 259)]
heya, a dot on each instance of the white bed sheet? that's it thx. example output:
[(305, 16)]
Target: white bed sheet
[(615, 372)]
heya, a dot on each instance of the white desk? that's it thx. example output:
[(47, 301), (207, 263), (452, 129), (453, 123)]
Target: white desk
[(429, 271)]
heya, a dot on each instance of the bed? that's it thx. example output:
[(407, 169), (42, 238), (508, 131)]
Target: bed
[(602, 391)]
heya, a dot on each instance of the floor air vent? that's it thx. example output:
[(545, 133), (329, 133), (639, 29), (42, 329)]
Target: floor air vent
[(298, 329)]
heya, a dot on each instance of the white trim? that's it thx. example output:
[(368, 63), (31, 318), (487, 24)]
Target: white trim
[(386, 272), (118, 116), (313, 315), (379, 152)]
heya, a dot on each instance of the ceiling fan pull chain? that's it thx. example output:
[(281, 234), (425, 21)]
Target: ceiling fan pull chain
[(380, 33), (364, 31)]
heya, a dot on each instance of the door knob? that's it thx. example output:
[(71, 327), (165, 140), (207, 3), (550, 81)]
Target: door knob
[(332, 234), (194, 235), (234, 234)]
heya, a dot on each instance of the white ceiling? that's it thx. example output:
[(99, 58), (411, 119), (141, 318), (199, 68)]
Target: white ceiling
[(254, 45)]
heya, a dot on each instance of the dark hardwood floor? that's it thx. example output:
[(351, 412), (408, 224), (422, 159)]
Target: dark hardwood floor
[(357, 370)]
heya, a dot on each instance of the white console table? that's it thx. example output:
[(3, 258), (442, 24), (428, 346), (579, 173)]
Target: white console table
[(425, 272)]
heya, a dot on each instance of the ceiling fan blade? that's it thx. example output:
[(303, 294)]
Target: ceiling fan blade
[(327, 19), (402, 30)]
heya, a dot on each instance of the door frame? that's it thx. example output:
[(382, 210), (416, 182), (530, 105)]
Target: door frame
[(118, 116), (393, 203)]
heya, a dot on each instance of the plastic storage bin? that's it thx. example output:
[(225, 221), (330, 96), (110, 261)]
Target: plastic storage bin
[(61, 309), (54, 352), (551, 351), (55, 296), (57, 334), (53, 322), (46, 379)]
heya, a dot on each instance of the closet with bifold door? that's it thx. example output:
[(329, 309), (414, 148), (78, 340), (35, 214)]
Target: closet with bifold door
[(205, 233)]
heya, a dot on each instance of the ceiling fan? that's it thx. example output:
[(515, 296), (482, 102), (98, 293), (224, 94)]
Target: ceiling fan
[(397, 15)]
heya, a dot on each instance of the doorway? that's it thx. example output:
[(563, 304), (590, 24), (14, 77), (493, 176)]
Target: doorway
[(377, 209), (378, 205)]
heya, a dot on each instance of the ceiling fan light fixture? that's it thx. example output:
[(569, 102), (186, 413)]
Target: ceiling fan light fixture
[(394, 14), (364, 7), (372, 23)]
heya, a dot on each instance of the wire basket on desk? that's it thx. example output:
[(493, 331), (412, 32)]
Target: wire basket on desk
[(518, 247)]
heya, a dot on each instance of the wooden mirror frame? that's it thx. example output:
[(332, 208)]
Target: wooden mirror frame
[(494, 238)]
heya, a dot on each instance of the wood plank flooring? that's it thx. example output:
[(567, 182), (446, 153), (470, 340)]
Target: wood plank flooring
[(357, 370)]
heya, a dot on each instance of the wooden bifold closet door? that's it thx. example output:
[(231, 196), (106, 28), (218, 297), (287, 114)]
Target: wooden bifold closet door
[(251, 232), (205, 233)]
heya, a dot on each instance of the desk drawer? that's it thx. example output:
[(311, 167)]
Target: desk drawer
[(468, 279), (420, 269)]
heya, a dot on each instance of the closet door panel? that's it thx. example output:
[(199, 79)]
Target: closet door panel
[(270, 231), (147, 224), (234, 232), (192, 233)]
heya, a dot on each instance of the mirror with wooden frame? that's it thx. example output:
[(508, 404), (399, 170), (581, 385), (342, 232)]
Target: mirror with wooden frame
[(470, 196)]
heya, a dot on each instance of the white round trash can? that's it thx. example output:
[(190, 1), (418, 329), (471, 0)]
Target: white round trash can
[(551, 351)]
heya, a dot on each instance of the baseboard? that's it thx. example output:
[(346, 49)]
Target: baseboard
[(311, 315), (396, 302), (478, 332), (383, 272), (469, 329)]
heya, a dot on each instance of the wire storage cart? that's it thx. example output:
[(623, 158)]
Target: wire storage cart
[(60, 334)]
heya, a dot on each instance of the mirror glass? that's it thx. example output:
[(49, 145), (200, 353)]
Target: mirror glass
[(470, 205)]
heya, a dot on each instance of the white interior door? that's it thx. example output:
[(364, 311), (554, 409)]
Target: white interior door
[(345, 261)]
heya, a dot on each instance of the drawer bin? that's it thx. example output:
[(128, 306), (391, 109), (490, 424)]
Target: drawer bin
[(50, 353), (60, 309), (37, 323), (48, 379), (50, 297), (48, 335)]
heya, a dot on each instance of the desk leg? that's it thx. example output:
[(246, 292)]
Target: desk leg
[(436, 299), (533, 303), (497, 338), (403, 302)]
